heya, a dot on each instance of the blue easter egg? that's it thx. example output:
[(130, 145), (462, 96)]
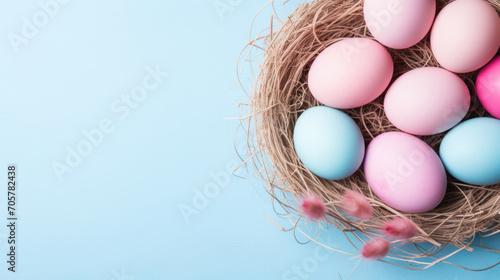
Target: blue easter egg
[(328, 142), (471, 151)]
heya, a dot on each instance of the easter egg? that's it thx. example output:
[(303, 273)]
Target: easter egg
[(328, 142), (471, 151), (465, 35), (350, 73), (488, 87), (405, 172), (426, 101), (399, 24)]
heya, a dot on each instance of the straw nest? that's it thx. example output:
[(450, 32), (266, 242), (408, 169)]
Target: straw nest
[(279, 94)]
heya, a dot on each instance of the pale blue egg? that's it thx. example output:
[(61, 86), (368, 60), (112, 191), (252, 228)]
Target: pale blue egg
[(328, 142), (471, 151)]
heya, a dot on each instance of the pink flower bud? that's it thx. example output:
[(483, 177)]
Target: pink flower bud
[(313, 207), (375, 249), (401, 228), (356, 205)]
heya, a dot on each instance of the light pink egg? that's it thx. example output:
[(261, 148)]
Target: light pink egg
[(465, 35), (488, 87), (405, 172), (350, 73), (399, 24), (426, 101)]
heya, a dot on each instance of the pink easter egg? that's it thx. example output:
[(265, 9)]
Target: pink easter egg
[(427, 100), (399, 24), (405, 172), (350, 73), (488, 87), (465, 35)]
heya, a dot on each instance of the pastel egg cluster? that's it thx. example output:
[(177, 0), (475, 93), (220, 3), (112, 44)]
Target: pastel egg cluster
[(401, 169)]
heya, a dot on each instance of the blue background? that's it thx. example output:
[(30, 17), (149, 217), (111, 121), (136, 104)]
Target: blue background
[(117, 213)]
